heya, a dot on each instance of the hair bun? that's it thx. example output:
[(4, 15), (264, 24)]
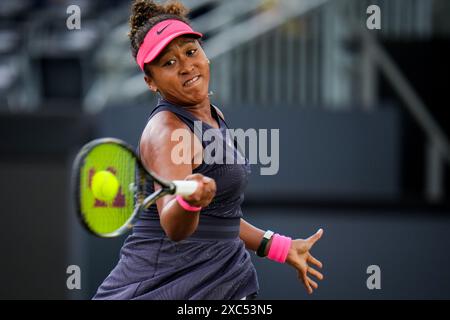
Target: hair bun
[(176, 8), (141, 12)]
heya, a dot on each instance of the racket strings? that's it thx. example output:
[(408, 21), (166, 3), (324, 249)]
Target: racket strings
[(105, 217)]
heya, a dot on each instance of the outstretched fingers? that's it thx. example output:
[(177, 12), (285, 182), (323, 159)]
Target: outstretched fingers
[(312, 283), (304, 278), (314, 261), (313, 239), (315, 273), (307, 285)]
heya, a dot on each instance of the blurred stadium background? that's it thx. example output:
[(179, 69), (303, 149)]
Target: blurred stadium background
[(363, 118)]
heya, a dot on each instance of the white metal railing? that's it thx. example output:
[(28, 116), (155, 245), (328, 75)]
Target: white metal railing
[(294, 55), (438, 148), (224, 14), (256, 61)]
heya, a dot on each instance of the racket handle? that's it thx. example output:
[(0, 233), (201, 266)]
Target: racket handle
[(185, 187)]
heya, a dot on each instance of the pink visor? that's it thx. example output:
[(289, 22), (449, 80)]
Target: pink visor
[(159, 37)]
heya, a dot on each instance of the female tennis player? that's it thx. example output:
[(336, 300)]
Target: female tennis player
[(191, 247)]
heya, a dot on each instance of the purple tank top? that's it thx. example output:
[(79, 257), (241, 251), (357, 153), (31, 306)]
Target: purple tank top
[(231, 179)]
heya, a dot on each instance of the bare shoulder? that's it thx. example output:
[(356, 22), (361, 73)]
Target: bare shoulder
[(160, 138), (159, 130), (160, 125)]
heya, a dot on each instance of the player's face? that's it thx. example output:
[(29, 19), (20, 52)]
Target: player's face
[(181, 61)]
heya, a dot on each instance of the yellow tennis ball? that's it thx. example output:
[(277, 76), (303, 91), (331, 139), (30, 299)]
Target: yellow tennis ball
[(104, 185)]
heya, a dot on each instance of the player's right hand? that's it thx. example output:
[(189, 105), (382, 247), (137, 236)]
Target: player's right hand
[(205, 192)]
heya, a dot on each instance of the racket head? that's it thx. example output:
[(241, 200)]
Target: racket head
[(113, 217)]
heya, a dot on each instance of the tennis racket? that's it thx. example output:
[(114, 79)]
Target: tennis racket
[(117, 215)]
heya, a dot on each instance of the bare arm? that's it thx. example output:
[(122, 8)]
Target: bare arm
[(252, 236), (156, 153), (299, 255)]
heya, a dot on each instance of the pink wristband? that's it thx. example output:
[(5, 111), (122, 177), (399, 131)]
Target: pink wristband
[(279, 248), (186, 206)]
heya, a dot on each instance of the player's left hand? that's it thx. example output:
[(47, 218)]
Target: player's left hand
[(299, 257)]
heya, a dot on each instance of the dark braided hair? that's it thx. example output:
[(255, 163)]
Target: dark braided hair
[(145, 14)]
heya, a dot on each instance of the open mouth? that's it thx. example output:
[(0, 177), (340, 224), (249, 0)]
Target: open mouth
[(191, 81)]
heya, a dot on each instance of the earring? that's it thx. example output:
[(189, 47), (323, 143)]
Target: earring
[(209, 62)]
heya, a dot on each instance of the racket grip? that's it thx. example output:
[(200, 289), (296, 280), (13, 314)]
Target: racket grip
[(185, 187)]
